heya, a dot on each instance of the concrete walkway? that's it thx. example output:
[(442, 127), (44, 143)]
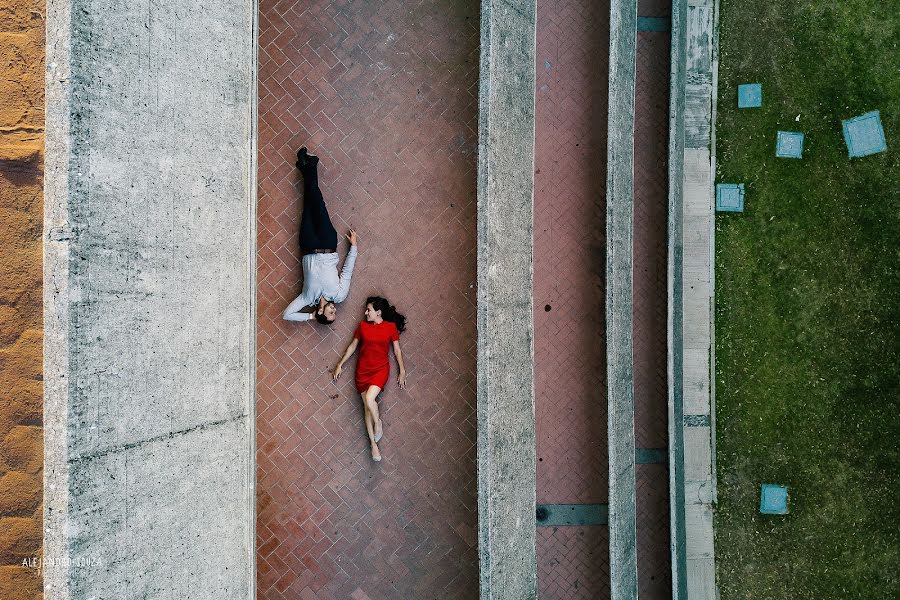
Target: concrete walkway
[(693, 368)]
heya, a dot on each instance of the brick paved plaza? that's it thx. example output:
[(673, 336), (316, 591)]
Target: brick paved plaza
[(387, 96), (180, 411)]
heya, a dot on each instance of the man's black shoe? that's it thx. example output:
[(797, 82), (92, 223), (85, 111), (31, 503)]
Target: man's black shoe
[(302, 157), (305, 159)]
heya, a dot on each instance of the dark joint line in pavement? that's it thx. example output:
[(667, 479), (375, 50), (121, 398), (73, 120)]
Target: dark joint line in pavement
[(562, 515), (654, 24), (651, 456), (696, 420)]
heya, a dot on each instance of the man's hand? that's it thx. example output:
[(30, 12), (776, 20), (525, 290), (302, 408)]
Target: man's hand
[(352, 237)]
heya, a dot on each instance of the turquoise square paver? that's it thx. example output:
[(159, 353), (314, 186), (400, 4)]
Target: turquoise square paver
[(773, 499), (864, 135), (789, 144), (750, 95), (730, 197)]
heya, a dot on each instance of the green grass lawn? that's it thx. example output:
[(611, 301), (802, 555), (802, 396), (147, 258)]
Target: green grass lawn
[(807, 291)]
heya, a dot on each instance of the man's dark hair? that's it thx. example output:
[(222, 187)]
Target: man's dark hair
[(321, 318)]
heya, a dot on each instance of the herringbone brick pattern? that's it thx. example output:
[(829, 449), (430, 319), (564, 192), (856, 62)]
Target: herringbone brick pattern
[(569, 251), (650, 214), (569, 272), (386, 94), (654, 8), (650, 383), (652, 494), (574, 563)]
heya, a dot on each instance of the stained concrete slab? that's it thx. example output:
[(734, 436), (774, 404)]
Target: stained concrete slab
[(699, 527), (691, 280), (619, 301), (506, 431), (149, 232), (696, 453), (701, 574)]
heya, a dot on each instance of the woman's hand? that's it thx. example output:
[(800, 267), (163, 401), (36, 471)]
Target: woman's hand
[(337, 372), (352, 237), (401, 378)]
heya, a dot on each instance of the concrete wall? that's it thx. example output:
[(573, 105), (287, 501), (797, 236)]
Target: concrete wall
[(149, 233), (506, 443), (692, 220), (675, 312), (619, 330), (21, 210)]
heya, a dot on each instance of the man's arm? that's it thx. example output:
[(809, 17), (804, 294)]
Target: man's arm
[(293, 312), (347, 270)]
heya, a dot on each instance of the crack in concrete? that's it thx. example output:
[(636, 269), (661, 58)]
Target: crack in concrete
[(157, 438)]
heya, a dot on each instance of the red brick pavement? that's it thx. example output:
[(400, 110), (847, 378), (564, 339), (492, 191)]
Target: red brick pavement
[(386, 94), (650, 391), (652, 495), (650, 214), (654, 8), (569, 273), (569, 251), (573, 563)]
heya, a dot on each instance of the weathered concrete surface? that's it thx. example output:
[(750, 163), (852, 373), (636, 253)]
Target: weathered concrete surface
[(506, 442), (691, 360), (675, 308), (619, 248), (21, 211), (148, 299)]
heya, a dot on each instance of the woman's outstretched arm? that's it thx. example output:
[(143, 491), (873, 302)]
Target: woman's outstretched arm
[(401, 378), (347, 354)]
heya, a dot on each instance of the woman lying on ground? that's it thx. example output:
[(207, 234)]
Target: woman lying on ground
[(381, 327)]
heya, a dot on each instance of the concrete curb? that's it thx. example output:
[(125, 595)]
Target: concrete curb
[(691, 284), (505, 384), (675, 310), (56, 235), (619, 330), (251, 269)]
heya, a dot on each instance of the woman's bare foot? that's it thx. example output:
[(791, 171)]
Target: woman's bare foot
[(379, 430), (376, 454)]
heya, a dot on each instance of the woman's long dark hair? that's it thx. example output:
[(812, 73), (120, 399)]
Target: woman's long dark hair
[(388, 312)]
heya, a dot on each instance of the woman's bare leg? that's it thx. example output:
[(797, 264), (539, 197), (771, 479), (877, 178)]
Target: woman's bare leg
[(372, 404), (373, 422), (370, 425)]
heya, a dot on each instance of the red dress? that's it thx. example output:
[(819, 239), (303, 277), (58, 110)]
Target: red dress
[(373, 367)]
